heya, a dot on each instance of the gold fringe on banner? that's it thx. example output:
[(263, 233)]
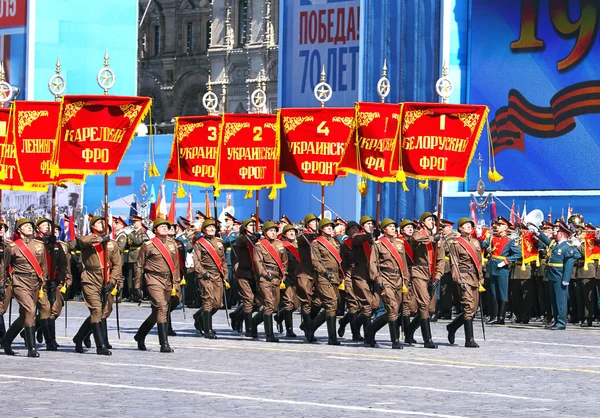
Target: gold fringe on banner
[(273, 194), (248, 194), (424, 185)]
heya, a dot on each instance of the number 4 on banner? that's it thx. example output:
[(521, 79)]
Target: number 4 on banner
[(323, 129)]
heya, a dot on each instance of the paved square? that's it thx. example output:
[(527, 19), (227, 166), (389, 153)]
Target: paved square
[(517, 372)]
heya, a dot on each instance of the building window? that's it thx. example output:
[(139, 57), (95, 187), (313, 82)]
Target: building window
[(190, 38), (157, 40), (242, 29), (208, 33)]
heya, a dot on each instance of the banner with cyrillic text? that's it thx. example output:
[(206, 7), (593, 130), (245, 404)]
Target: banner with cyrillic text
[(313, 142), (439, 140), (195, 147), (249, 153), (373, 154), (95, 131)]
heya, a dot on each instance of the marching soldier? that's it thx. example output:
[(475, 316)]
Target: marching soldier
[(289, 293), (158, 262), (98, 253), (428, 267), (409, 304), (57, 275), (210, 265), (446, 286), (361, 280), (541, 281), (354, 307), (305, 274), (271, 261), (66, 285), (388, 269), (134, 242), (327, 262), (504, 251), (6, 288), (27, 258), (561, 259), (467, 273)]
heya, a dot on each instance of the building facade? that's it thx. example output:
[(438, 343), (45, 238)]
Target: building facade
[(185, 43)]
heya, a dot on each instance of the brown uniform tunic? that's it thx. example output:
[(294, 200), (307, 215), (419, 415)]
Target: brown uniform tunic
[(25, 281), (244, 272), (289, 295), (57, 271), (324, 262), (305, 273), (269, 274), (92, 279), (421, 271), (409, 304), (160, 281), (131, 253), (7, 283), (361, 251), (68, 280), (211, 288), (348, 265), (465, 271), (384, 268)]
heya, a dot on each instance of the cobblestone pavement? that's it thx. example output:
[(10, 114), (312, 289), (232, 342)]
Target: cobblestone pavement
[(518, 372)]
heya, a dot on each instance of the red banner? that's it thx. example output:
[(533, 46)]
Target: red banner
[(10, 177), (439, 140), (34, 137), (313, 142), (372, 154), (95, 131), (195, 147), (591, 248), (249, 153), (529, 250)]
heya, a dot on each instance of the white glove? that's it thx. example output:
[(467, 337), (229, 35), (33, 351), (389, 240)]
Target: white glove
[(597, 233), (478, 231), (576, 242), (565, 284), (533, 228), (501, 264)]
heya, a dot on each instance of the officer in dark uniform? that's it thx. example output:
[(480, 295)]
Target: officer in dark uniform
[(134, 242)]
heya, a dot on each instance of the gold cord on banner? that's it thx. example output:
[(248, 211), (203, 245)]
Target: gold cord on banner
[(493, 174)]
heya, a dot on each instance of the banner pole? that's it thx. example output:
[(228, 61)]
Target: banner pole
[(378, 207), (257, 221), (444, 89)]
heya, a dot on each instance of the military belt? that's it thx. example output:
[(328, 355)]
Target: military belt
[(469, 270), (500, 257), (390, 270), (93, 269), (156, 273), (555, 264)]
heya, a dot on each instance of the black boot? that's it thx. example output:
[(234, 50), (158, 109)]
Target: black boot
[(373, 328), (355, 327), (289, 324), (237, 317), (344, 320), (171, 332), (98, 331), (469, 340), (105, 331), (198, 320), (2, 327), (395, 335), (140, 336), (30, 342), (256, 321), (207, 325), (52, 323), (332, 337), (279, 318), (84, 330), (163, 338), (410, 328), (248, 324), (318, 321), (48, 331), (306, 326), (9, 337), (453, 326), (493, 311), (39, 330), (426, 332), (501, 313), (270, 337)]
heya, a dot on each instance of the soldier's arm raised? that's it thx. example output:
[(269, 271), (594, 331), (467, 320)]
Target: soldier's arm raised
[(88, 240)]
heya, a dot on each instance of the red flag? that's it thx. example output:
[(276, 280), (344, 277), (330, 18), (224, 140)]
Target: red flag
[(71, 226), (172, 210), (473, 213), (493, 212), (152, 211)]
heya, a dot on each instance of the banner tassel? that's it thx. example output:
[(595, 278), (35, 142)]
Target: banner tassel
[(248, 194), (363, 187), (217, 193), (273, 194), (181, 192), (401, 178), (424, 185)]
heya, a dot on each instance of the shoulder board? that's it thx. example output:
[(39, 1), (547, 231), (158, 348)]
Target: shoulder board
[(147, 243), (12, 244)]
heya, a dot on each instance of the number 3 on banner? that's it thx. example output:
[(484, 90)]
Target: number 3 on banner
[(213, 133), (323, 129), (257, 133)]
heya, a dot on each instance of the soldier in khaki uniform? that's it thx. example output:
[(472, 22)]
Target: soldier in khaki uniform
[(6, 289), (446, 285), (57, 273), (27, 257), (158, 262), (409, 303), (428, 267), (327, 262), (271, 262), (64, 286), (289, 294), (210, 265), (305, 274), (388, 269), (95, 249), (132, 250), (465, 259), (354, 306)]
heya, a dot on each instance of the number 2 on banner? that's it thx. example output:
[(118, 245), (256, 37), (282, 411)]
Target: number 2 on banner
[(323, 129), (213, 133), (257, 133)]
